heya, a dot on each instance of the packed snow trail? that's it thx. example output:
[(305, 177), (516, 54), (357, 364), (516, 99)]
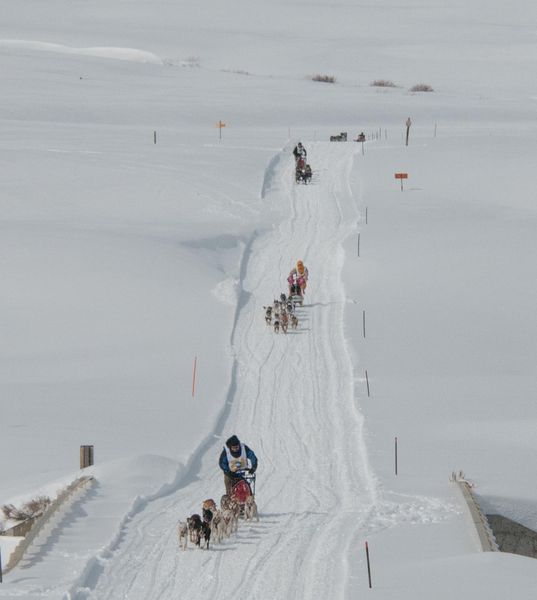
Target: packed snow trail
[(293, 402)]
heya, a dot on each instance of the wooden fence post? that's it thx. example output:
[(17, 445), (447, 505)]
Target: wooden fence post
[(86, 456), (194, 369), (368, 565)]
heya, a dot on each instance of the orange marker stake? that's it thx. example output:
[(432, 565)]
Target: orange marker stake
[(194, 376)]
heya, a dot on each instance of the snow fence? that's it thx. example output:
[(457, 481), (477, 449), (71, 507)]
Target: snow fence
[(64, 500), (484, 532)]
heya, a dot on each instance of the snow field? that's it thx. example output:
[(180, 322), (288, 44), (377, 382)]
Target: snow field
[(317, 496), (439, 265), (100, 229)]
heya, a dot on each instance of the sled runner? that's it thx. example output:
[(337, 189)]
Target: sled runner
[(296, 294)]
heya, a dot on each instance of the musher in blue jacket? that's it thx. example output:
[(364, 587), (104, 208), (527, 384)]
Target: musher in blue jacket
[(236, 456)]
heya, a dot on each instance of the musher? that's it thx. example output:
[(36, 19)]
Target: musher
[(300, 152), (236, 456), (298, 275)]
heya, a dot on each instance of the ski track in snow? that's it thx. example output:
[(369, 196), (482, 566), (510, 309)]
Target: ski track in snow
[(294, 403)]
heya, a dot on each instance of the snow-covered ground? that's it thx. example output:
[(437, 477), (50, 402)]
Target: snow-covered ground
[(122, 261)]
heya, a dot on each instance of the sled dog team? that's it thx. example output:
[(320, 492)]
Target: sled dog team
[(215, 523), (281, 314), (303, 172), (239, 464)]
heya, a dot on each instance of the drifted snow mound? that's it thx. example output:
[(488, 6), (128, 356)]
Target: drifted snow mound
[(130, 54), (227, 291)]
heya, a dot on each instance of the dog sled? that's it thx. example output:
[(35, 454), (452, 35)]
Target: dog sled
[(243, 489), (303, 172), (295, 293), (341, 137)]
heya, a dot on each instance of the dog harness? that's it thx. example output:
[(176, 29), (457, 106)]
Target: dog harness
[(237, 462)]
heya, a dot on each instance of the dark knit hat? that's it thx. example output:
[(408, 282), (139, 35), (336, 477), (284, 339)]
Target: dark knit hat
[(233, 441)]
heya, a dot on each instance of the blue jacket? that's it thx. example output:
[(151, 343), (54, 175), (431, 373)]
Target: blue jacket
[(224, 465)]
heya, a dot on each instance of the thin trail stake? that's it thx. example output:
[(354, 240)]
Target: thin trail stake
[(358, 244), (154, 137), (367, 382), (368, 565), (396, 455), (0, 565), (366, 215), (363, 321), (194, 376)]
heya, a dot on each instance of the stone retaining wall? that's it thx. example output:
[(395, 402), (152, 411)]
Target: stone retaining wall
[(513, 537)]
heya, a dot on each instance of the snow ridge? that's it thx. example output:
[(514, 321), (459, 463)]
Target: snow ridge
[(112, 52)]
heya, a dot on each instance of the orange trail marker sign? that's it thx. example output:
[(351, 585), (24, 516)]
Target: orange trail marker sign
[(401, 176), (220, 125)]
